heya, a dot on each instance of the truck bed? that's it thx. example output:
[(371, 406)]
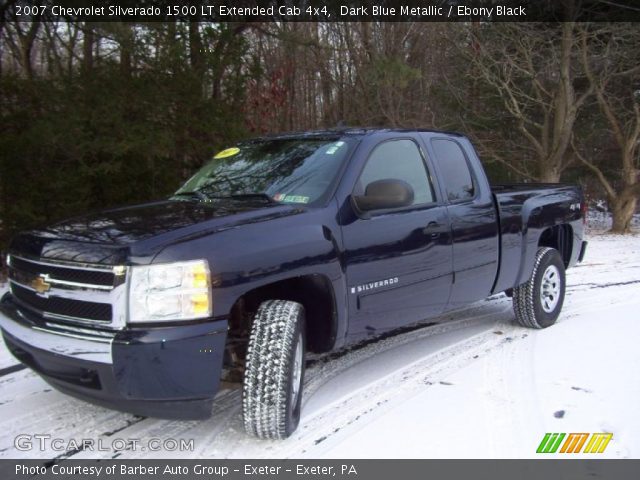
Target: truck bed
[(522, 208)]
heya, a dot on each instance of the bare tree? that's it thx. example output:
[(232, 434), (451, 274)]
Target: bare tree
[(26, 34), (531, 67), (612, 64)]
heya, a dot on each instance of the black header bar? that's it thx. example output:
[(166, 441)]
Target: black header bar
[(323, 10)]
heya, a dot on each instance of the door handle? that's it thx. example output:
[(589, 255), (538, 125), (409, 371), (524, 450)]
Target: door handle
[(428, 230)]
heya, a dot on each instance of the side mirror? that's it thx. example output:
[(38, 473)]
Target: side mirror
[(383, 194)]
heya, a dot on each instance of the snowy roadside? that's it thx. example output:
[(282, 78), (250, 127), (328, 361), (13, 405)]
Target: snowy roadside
[(474, 386)]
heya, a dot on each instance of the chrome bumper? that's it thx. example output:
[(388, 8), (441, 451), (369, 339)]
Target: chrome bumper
[(72, 343)]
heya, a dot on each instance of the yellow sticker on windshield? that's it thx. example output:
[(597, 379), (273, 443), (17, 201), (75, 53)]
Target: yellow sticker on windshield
[(229, 152)]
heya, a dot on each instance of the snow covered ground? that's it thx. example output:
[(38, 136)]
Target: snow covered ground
[(474, 385)]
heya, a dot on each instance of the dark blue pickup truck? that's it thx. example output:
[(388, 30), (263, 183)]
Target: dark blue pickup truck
[(279, 246)]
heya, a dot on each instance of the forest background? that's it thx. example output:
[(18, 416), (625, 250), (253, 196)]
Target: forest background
[(104, 114)]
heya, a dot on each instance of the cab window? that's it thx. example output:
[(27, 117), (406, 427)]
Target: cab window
[(454, 170), (400, 160)]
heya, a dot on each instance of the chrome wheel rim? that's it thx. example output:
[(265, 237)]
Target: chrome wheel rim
[(297, 372), (550, 289)]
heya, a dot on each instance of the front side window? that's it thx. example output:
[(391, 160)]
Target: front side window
[(283, 170), (398, 160), (454, 170)]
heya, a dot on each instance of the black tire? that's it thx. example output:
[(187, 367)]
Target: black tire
[(538, 302), (270, 405)]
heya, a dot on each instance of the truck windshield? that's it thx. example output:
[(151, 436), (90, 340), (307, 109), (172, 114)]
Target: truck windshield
[(283, 170)]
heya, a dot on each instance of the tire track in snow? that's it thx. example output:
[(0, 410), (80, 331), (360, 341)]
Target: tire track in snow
[(505, 418), (226, 405), (375, 398), (33, 407), (11, 369)]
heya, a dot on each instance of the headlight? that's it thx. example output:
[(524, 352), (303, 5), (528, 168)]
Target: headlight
[(172, 291)]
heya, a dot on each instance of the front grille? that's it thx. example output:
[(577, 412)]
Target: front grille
[(91, 277), (69, 293), (66, 307)]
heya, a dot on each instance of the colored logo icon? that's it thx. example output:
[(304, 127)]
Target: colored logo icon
[(574, 442)]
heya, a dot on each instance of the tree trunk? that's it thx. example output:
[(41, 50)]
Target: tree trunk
[(26, 43), (622, 207), (87, 49), (195, 46), (548, 173), (126, 49)]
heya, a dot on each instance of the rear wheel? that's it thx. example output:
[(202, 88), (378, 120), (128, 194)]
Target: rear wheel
[(274, 374), (538, 302)]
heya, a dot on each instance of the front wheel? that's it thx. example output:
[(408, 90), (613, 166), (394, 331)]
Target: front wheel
[(538, 302), (274, 374)]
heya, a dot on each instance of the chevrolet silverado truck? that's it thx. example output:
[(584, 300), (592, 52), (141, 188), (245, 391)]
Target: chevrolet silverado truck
[(280, 246)]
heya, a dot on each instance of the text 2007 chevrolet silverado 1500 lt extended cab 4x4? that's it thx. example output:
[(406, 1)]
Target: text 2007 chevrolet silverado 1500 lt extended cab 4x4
[(280, 245)]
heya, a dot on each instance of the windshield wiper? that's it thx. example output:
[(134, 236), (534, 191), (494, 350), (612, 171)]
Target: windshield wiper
[(194, 194), (263, 196), (202, 194)]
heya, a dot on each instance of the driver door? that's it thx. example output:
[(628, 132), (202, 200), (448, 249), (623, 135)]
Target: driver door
[(398, 261)]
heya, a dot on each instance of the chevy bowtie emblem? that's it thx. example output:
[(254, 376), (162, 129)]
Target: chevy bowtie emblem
[(41, 285)]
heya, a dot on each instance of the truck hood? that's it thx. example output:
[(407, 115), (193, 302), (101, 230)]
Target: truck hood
[(135, 234)]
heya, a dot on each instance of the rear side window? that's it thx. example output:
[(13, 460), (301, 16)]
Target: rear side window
[(454, 169), (400, 160)]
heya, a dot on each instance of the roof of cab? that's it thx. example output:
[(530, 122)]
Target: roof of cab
[(347, 131)]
